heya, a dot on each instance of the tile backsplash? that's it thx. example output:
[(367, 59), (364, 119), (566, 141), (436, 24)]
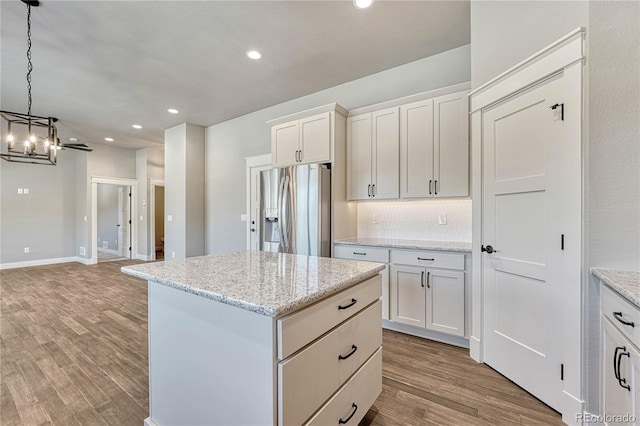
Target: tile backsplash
[(415, 220)]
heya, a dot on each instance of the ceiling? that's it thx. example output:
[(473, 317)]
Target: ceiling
[(101, 66)]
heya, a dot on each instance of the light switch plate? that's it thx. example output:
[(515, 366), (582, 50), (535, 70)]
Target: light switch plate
[(169, 218), (20, 191), (244, 218), (442, 218), (26, 191)]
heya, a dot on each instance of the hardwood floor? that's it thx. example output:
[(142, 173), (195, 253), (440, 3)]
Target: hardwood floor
[(73, 351)]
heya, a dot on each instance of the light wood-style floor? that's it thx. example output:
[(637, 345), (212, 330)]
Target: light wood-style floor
[(73, 351)]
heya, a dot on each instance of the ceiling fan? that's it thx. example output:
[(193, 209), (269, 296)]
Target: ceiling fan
[(77, 145)]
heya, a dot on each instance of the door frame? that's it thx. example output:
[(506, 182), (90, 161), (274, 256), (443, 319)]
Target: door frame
[(152, 214), (260, 162), (93, 241), (566, 55)]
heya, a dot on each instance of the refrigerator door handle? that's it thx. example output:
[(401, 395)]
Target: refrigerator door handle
[(284, 220)]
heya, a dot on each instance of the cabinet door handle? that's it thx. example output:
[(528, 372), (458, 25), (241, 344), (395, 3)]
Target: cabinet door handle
[(428, 276), (615, 363), (621, 380), (354, 348), (357, 253), (422, 279), (355, 408), (300, 156), (435, 186), (618, 316), (373, 190), (353, 302), (369, 190), (424, 258), (430, 181)]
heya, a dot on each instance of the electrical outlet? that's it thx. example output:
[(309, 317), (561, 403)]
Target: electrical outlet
[(442, 218), (25, 191), (82, 251), (169, 218), (105, 244), (26, 249), (20, 191), (173, 254)]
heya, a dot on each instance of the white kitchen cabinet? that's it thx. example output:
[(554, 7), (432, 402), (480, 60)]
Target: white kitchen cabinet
[(619, 359), (408, 295), (434, 147), (429, 298), (303, 141), (373, 163)]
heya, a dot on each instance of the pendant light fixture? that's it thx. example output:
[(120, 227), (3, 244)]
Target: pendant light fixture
[(28, 138)]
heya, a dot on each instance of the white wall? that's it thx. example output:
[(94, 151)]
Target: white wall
[(44, 220), (228, 143)]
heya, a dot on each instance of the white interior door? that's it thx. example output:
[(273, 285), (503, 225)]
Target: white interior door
[(124, 241), (522, 213)]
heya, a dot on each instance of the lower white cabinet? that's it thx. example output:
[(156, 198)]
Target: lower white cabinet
[(619, 360), (429, 298)]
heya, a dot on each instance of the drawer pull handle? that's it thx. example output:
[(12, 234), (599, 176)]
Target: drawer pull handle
[(357, 253), (353, 302), (424, 258), (354, 348), (355, 408), (618, 316)]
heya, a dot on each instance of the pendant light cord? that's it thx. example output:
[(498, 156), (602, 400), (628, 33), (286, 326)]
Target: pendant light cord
[(29, 64)]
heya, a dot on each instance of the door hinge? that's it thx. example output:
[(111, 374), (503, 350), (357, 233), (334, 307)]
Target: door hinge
[(561, 371), (129, 221), (554, 107), (129, 248), (562, 242), (129, 194)]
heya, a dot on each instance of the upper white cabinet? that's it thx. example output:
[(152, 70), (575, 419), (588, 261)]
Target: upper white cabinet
[(373, 155), (307, 140), (434, 147)]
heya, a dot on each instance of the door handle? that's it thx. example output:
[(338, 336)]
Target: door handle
[(355, 408), (428, 276), (373, 189), (354, 348), (488, 249), (621, 380), (369, 190), (430, 181), (300, 156), (422, 279), (435, 187)]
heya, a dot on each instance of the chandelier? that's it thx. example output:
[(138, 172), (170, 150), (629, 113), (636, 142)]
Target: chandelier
[(29, 138)]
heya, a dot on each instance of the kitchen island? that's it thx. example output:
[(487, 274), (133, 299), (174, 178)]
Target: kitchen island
[(257, 338)]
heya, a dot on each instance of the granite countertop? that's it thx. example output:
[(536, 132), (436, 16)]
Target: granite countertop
[(462, 247), (627, 283), (270, 284)]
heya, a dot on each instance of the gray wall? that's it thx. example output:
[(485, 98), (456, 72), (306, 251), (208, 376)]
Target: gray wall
[(612, 153), (504, 33), (108, 215), (184, 190), (44, 220), (230, 142), (613, 183)]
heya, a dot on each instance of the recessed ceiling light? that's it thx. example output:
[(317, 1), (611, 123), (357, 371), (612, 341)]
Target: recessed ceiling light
[(173, 111), (362, 4), (254, 54), (108, 139), (73, 139), (136, 126)]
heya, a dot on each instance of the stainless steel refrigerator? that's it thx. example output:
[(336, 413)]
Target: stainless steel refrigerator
[(295, 210)]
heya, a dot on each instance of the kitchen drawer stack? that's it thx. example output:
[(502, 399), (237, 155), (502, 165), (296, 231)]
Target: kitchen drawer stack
[(422, 289), (619, 358), (330, 358)]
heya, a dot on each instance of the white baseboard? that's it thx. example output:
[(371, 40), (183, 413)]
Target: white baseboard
[(149, 422), (427, 334), (84, 260), (143, 257), (40, 262), (573, 411), (475, 349)]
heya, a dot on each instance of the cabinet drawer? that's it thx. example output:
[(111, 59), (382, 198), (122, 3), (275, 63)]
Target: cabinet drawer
[(369, 254), (430, 259), (325, 365), (350, 404), (300, 328), (621, 313)]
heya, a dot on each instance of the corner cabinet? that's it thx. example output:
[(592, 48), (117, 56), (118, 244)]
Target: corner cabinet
[(373, 155), (619, 359), (434, 147), (306, 137)]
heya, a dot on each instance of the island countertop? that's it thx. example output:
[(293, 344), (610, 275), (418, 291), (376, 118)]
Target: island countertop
[(270, 284), (627, 283)]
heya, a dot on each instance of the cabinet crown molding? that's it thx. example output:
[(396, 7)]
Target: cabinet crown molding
[(309, 112), (412, 98)]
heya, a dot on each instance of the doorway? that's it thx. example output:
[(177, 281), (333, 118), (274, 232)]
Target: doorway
[(156, 219), (255, 165), (113, 222)]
